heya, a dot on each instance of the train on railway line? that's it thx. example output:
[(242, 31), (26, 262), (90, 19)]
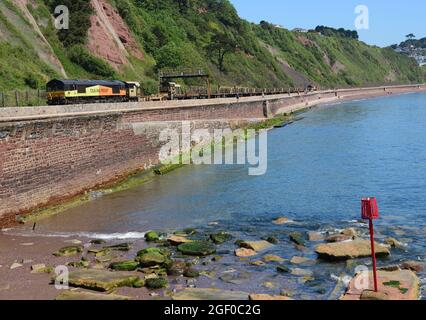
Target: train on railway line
[(61, 92)]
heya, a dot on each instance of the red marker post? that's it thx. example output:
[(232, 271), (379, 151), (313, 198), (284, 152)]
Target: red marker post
[(370, 211)]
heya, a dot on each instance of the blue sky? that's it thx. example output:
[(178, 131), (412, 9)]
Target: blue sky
[(390, 20)]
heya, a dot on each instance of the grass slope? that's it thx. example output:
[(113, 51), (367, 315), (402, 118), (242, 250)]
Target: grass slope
[(19, 62)]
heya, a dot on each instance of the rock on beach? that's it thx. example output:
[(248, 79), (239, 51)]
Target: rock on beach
[(395, 285), (80, 295), (281, 221), (257, 246), (349, 250), (245, 253), (101, 280), (209, 294)]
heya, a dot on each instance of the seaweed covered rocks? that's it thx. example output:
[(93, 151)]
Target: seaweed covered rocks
[(151, 257), (127, 265), (119, 247), (199, 248), (156, 283), (101, 280), (152, 236), (298, 238), (220, 237), (68, 251)]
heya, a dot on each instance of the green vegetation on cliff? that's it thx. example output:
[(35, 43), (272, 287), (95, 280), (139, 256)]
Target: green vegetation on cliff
[(338, 61), (423, 72), (20, 65), (185, 34), (416, 43), (190, 34), (79, 20)]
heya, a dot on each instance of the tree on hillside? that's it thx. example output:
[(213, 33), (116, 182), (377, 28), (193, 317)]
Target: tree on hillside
[(169, 57), (266, 25), (221, 44), (225, 12), (79, 24), (341, 32), (183, 5), (410, 36)]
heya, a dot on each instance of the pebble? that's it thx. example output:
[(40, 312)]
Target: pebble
[(244, 253), (38, 267), (4, 287), (298, 238), (257, 246), (272, 258), (415, 266), (306, 279), (390, 268), (283, 269), (286, 293), (351, 232), (394, 243), (315, 236), (15, 266), (177, 240), (269, 285), (301, 272), (74, 241), (299, 260), (371, 295), (338, 238), (281, 221)]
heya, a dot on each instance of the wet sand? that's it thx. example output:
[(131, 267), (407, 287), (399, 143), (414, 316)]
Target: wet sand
[(20, 284)]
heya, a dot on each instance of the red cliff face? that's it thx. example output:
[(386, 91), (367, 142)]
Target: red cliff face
[(109, 37)]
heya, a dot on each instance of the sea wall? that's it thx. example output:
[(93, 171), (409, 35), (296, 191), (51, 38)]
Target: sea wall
[(51, 154)]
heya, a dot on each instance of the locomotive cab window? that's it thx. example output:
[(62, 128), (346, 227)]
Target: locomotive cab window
[(52, 87)]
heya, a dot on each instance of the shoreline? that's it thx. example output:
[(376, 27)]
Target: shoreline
[(136, 177), (20, 283), (270, 270)]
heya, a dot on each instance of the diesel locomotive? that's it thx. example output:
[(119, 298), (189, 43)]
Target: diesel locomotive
[(61, 92)]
